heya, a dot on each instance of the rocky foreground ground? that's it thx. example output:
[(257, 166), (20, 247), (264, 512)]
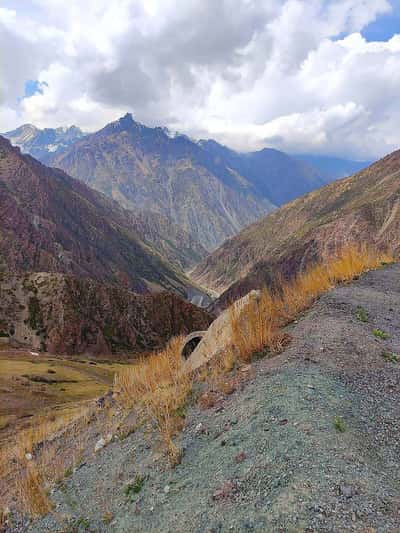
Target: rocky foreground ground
[(309, 442)]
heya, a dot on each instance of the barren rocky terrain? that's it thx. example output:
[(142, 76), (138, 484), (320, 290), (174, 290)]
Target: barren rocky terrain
[(308, 441)]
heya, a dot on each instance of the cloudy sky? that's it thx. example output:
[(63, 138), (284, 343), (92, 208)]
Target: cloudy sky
[(316, 76)]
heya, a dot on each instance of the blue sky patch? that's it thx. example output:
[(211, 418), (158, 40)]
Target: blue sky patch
[(34, 87), (385, 26)]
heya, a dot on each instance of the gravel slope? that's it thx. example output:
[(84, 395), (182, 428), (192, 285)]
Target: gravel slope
[(269, 457)]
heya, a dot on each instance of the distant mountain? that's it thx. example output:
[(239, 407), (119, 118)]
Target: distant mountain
[(43, 144), (206, 189), (274, 174), (53, 223), (362, 208), (333, 168), (148, 168), (63, 314)]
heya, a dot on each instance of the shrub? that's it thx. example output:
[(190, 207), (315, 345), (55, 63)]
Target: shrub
[(35, 318)]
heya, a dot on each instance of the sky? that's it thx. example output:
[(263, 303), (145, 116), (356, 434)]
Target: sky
[(303, 76)]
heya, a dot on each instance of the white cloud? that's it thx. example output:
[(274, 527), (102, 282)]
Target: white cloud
[(248, 72)]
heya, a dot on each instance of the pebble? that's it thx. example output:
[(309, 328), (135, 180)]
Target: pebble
[(99, 445), (346, 491), (103, 442)]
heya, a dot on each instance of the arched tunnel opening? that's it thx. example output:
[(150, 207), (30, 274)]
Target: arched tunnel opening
[(190, 345)]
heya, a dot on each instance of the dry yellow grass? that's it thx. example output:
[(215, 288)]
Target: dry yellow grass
[(31, 491), (32, 460), (158, 387), (265, 318)]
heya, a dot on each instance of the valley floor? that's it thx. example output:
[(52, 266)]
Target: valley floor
[(36, 385), (309, 442)]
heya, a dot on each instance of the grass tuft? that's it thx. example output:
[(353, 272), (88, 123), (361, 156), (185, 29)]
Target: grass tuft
[(391, 357), (379, 334), (362, 314), (132, 489), (339, 425)]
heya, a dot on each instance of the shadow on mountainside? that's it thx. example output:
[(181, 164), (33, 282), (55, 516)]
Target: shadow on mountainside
[(309, 443)]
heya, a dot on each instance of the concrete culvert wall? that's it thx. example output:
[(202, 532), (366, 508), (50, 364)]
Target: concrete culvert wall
[(191, 343), (218, 338)]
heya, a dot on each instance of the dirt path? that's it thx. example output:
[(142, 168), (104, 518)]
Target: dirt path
[(311, 443)]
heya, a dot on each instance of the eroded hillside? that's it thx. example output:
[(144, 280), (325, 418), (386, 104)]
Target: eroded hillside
[(361, 208), (66, 315)]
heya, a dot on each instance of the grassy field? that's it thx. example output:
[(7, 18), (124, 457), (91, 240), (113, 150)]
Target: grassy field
[(32, 385)]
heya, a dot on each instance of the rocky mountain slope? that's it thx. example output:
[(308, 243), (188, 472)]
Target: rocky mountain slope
[(362, 208), (143, 167), (43, 144), (171, 241), (307, 441), (274, 174), (53, 223), (66, 315)]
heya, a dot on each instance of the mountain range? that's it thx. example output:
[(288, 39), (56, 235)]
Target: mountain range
[(143, 167), (274, 174), (210, 191), (53, 223), (43, 144), (171, 199), (363, 208)]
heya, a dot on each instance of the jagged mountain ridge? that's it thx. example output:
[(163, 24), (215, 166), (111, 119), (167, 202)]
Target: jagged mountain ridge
[(362, 208), (148, 168), (43, 144), (63, 314), (51, 222)]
